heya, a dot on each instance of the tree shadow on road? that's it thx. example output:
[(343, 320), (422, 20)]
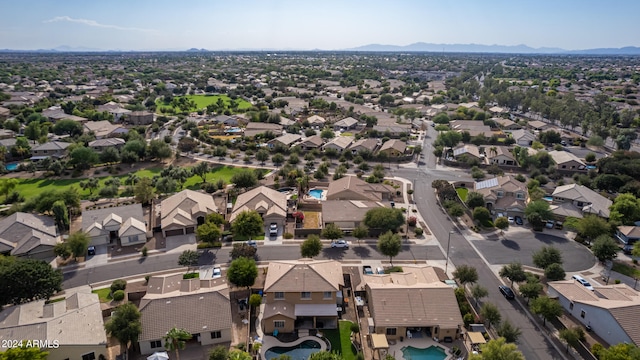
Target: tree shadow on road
[(207, 258), (332, 254), (510, 244), (550, 239), (362, 251)]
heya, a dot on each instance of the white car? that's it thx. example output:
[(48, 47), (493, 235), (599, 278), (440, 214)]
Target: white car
[(510, 219), (217, 272), (340, 244)]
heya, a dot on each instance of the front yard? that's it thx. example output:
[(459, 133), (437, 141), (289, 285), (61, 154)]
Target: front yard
[(462, 193), (341, 340)]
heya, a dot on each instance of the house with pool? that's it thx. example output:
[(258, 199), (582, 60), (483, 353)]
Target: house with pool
[(352, 188), (269, 203), (302, 295), (413, 303)]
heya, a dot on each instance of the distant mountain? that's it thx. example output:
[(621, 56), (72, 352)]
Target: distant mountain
[(197, 50), (628, 50)]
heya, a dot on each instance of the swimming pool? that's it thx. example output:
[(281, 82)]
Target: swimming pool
[(316, 193), (11, 166), (301, 351), (431, 353), (548, 198)]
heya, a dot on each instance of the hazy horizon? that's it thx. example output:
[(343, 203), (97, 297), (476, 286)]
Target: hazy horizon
[(330, 25)]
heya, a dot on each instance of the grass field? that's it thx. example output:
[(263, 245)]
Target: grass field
[(462, 193), (203, 100), (341, 340), (103, 294), (625, 269)]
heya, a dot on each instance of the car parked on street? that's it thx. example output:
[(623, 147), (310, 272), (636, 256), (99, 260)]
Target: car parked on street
[(340, 244), (252, 243), (507, 292)]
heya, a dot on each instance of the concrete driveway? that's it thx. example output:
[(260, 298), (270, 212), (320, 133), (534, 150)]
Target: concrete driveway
[(519, 243)]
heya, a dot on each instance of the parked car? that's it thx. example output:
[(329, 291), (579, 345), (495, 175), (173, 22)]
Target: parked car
[(583, 281), (340, 244), (627, 249), (451, 283), (518, 220), (217, 272), (507, 292), (91, 250), (549, 224), (511, 220), (273, 230), (367, 270), (379, 270), (252, 243)]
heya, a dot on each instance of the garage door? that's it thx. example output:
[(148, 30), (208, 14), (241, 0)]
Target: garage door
[(174, 232), (191, 230)]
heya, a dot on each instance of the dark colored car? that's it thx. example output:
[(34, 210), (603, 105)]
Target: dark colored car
[(507, 292), (91, 250), (518, 220)]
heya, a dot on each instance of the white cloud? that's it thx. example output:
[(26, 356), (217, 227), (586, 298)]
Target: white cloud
[(94, 24)]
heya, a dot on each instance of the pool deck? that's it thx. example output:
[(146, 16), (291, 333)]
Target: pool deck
[(269, 341), (323, 195), (395, 350)]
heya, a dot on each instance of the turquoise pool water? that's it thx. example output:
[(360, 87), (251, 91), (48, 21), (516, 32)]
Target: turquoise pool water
[(316, 193), (11, 167), (301, 351), (548, 198), (430, 353)]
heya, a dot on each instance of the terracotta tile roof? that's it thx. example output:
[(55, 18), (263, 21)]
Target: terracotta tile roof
[(272, 201), (179, 208), (303, 275)]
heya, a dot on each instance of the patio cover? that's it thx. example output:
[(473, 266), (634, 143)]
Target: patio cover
[(379, 341), (476, 337), (316, 310), (158, 356)]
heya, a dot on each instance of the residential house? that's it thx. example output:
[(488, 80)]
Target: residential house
[(468, 151), (255, 128), (269, 203), (287, 140), (507, 124), (55, 113), (346, 214), (139, 118), (345, 124), (413, 301), (498, 110), (395, 130), (316, 121), (352, 188), (286, 122), (567, 162), (612, 312), (28, 235), (8, 144), (584, 200), (226, 120), (303, 294), (54, 149), (4, 113), (523, 137), (393, 148), (500, 155), (473, 127), (73, 327), (503, 194), (114, 109), (365, 144), (181, 213), (202, 307), (104, 129), (339, 143), (536, 125), (101, 144), (125, 224), (312, 142), (628, 235), (7, 134)]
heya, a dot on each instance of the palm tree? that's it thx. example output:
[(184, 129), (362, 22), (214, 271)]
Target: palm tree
[(493, 150), (175, 340)]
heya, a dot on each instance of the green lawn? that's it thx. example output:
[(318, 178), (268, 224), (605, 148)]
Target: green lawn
[(203, 100), (625, 269), (341, 340), (103, 294), (462, 193)]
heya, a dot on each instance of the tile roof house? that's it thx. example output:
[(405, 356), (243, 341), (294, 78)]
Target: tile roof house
[(287, 140), (114, 109), (523, 137), (537, 125), (125, 224), (56, 149), (139, 118), (29, 235), (103, 129), (55, 113), (345, 124), (468, 150), (346, 214), (393, 130), (628, 235), (401, 303), (75, 323), (612, 311), (4, 113), (255, 128), (503, 194), (507, 124), (302, 294), (202, 307), (269, 203), (315, 120), (339, 143), (500, 155), (352, 188), (364, 144), (181, 213), (101, 144), (393, 148), (583, 199), (312, 142), (567, 162)]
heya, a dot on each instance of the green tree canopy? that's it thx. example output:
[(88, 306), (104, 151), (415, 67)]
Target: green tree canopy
[(188, 258), (589, 227), (60, 214), (67, 127), (24, 353), (332, 232), (143, 191), (498, 349), (537, 213), (176, 340), (124, 324), (24, 280), (546, 307), (311, 247), (514, 272), (605, 248), (466, 274), (244, 179), (508, 331), (389, 244), (82, 158), (78, 243), (383, 218), (546, 256), (209, 232), (490, 314), (572, 336), (530, 290), (625, 209), (475, 199), (554, 272), (247, 224), (242, 272)]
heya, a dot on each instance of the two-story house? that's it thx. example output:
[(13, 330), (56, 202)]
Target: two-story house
[(302, 295), (503, 194), (52, 149)]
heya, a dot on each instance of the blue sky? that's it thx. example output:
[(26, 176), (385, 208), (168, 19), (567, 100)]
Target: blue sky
[(305, 25)]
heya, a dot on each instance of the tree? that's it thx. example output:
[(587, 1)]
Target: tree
[(383, 218), (78, 243), (188, 258), (244, 179), (554, 272), (514, 272), (243, 250), (255, 300), (465, 274), (166, 185), (242, 272), (311, 247), (490, 314), (33, 131), (159, 149), (605, 248), (537, 212), (24, 280), (530, 290), (572, 336), (455, 210), (201, 169), (389, 244), (239, 355), (325, 355), (501, 223), (508, 331), (589, 227), (360, 232), (625, 209), (247, 224), (209, 232), (474, 199), (622, 351), (125, 325), (90, 184), (60, 214), (546, 256), (7, 185), (175, 340), (331, 232), (481, 214), (498, 349), (219, 353), (67, 127), (478, 292), (143, 191), (24, 353), (548, 308), (262, 156), (82, 158), (277, 159)]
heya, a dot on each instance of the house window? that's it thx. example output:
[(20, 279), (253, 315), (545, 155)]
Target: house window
[(391, 331), (305, 295), (327, 295), (278, 295), (582, 314), (156, 344), (89, 356), (500, 194), (278, 324), (580, 204), (564, 166), (520, 196), (216, 334), (571, 306)]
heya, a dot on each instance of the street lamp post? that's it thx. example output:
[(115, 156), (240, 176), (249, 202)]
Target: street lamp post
[(446, 264)]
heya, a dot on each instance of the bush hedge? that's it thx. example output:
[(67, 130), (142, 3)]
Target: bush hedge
[(118, 295), (119, 284)]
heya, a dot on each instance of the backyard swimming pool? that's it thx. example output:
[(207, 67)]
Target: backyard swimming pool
[(317, 194), (301, 351), (11, 166), (430, 353)]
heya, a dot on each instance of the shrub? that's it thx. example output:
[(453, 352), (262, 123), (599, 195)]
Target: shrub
[(288, 235), (193, 275), (468, 319), (617, 281), (144, 251), (119, 284), (118, 295), (146, 278), (412, 221), (393, 269), (418, 231), (409, 191), (207, 245)]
